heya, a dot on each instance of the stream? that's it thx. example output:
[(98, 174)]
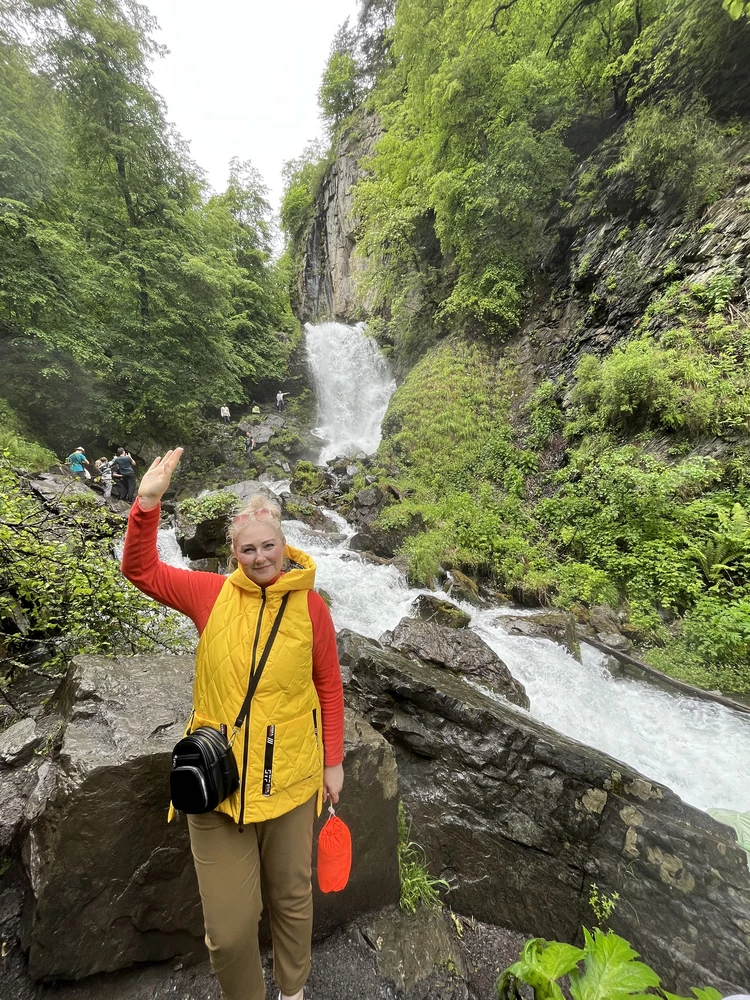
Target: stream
[(698, 748)]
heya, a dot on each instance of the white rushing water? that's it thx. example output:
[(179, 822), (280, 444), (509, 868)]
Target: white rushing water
[(698, 748), (353, 384)]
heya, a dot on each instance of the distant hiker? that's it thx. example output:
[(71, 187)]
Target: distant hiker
[(76, 461), (255, 409), (124, 466), (280, 400), (224, 411), (249, 443), (105, 474)]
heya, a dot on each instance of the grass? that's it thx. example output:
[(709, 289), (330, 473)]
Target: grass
[(418, 887)]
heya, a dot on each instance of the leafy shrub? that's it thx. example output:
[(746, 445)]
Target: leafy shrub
[(605, 967), (680, 151), (208, 507), (544, 413), (61, 590), (307, 479)]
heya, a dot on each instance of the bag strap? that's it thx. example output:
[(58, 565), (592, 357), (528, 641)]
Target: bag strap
[(256, 675)]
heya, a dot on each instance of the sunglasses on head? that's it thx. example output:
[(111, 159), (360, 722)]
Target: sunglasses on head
[(261, 514)]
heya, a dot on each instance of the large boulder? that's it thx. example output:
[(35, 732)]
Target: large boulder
[(113, 882), (459, 651), (522, 820)]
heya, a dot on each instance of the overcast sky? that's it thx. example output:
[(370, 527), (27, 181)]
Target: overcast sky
[(241, 77)]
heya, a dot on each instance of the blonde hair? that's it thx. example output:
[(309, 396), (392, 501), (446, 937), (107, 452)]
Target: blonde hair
[(259, 509)]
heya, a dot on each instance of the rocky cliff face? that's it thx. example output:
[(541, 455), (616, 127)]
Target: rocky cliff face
[(327, 284), (618, 250)]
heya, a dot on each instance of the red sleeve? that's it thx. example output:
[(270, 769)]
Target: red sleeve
[(327, 679), (194, 594)]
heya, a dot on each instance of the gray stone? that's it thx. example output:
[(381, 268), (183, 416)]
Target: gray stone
[(250, 488), (206, 539), (410, 946), (17, 743), (435, 609), (459, 651), (559, 626), (616, 640), (112, 882), (522, 820)]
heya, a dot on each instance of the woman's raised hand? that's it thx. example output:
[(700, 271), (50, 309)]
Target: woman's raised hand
[(156, 480)]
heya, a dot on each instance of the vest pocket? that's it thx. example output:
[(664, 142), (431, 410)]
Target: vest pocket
[(291, 753)]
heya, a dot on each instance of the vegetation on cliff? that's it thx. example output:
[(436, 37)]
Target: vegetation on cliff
[(519, 144), (130, 295)]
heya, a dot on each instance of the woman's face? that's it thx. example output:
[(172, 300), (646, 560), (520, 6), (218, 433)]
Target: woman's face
[(259, 548)]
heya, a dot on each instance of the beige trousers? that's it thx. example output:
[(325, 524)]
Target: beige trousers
[(230, 865)]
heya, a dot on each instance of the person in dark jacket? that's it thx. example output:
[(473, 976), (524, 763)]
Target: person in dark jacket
[(124, 466)]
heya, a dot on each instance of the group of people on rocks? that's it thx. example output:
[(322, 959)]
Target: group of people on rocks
[(226, 417), (117, 475)]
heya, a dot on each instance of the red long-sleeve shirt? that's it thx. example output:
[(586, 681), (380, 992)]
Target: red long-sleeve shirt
[(194, 594)]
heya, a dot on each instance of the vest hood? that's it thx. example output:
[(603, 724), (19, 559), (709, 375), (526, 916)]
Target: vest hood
[(293, 579)]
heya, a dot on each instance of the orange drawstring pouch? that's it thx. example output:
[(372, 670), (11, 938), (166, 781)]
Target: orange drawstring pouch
[(334, 854)]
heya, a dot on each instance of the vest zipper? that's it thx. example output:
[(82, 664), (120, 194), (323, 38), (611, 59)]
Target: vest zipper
[(246, 741)]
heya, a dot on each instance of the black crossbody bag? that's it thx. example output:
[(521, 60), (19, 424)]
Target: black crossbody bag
[(204, 770)]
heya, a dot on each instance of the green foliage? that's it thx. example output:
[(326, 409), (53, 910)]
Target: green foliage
[(307, 479), (418, 887), (209, 507), (680, 152), (690, 376), (303, 177), (15, 446), (61, 590), (602, 904), (604, 969), (544, 413), (129, 299), (340, 91)]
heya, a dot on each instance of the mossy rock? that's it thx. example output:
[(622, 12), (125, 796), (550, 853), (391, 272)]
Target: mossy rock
[(435, 609)]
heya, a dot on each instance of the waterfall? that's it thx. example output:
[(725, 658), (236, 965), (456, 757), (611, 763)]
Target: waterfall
[(353, 383)]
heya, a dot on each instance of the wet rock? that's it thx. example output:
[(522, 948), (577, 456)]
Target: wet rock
[(602, 618), (463, 587), (435, 609), (327, 286), (616, 640), (523, 820), (559, 626), (206, 539), (18, 742), (381, 542), (248, 488), (112, 882), (461, 652)]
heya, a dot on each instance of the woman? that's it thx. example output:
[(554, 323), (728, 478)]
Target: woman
[(105, 474), (265, 828)]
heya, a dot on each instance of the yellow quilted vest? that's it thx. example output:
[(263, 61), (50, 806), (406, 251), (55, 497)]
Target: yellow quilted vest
[(279, 750)]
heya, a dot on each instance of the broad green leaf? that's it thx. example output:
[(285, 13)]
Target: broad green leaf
[(610, 970)]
